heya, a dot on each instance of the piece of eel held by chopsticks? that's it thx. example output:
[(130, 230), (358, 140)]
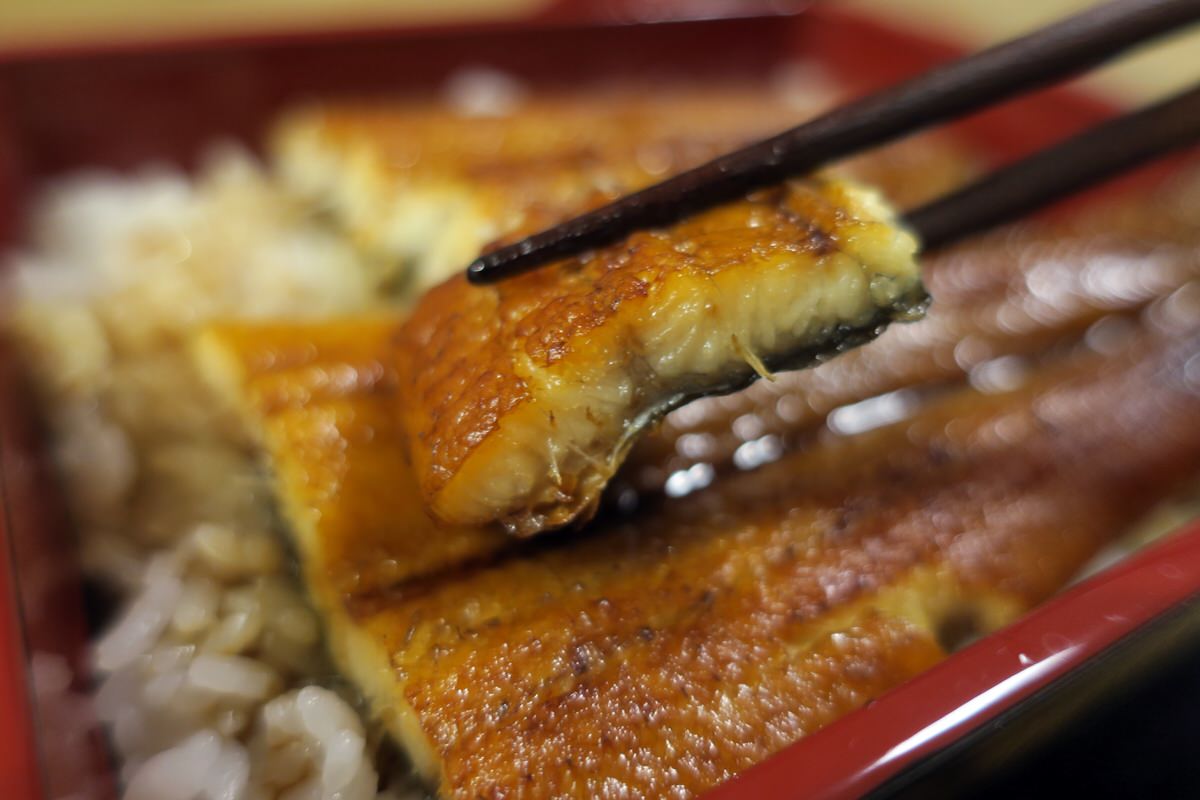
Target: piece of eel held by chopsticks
[(521, 399)]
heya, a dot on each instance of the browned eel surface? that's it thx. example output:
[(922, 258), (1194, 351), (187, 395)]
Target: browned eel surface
[(322, 399), (521, 399), (661, 655)]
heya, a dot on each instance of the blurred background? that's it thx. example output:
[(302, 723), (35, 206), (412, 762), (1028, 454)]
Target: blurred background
[(1171, 66), (32, 25)]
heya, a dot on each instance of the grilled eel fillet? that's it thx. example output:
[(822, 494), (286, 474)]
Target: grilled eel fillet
[(421, 188), (520, 400), (662, 655)]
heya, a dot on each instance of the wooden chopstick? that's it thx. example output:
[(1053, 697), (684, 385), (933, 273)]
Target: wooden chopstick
[(1059, 170), (986, 78)]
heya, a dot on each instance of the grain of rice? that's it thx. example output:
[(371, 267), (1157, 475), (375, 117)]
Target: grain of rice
[(197, 609), (235, 632), (233, 676), (145, 619), (180, 773)]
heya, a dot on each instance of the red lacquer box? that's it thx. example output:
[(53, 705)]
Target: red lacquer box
[(131, 102)]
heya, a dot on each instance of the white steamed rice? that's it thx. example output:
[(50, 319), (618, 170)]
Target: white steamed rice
[(210, 677)]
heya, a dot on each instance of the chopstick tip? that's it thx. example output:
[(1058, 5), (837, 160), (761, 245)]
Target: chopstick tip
[(479, 272), (503, 262)]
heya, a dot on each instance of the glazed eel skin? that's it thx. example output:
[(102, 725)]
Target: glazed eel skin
[(660, 655), (521, 399)]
